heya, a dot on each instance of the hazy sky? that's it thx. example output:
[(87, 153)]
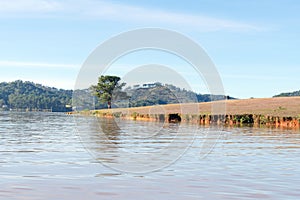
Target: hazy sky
[(255, 44)]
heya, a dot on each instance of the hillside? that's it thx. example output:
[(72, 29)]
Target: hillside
[(147, 95), (166, 94), (25, 95), (31, 96), (288, 94)]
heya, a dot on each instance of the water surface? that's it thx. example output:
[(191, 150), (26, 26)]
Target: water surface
[(42, 156)]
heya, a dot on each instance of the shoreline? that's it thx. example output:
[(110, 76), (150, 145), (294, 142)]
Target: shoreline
[(279, 112)]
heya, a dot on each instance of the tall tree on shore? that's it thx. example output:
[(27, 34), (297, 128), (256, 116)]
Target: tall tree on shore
[(107, 87)]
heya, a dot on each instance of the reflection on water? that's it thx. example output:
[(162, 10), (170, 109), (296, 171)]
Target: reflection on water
[(136, 147), (42, 156)]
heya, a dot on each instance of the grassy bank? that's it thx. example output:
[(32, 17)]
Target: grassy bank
[(280, 112)]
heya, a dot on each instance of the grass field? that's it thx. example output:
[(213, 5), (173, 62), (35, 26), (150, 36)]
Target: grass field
[(280, 106)]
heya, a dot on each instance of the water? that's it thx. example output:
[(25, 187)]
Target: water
[(44, 156)]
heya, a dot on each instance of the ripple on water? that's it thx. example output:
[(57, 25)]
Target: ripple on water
[(41, 153)]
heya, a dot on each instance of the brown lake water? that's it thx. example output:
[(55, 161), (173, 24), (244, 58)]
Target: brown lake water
[(55, 156)]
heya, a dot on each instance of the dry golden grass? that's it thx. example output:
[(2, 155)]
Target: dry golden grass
[(280, 106)]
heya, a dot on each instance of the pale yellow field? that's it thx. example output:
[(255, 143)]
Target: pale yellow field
[(280, 106)]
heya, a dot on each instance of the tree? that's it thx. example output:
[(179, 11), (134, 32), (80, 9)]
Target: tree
[(107, 87)]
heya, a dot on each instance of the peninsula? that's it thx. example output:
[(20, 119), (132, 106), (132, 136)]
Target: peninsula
[(278, 112)]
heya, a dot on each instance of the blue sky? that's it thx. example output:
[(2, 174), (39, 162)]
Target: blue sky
[(254, 44)]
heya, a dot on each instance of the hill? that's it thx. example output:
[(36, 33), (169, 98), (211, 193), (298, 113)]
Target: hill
[(288, 94), (27, 95), (143, 95), (158, 93)]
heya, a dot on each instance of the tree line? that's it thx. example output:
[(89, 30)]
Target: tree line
[(288, 94)]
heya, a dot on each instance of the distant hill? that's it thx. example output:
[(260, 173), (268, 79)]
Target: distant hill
[(25, 95), (288, 94), (157, 93), (144, 95), (31, 96)]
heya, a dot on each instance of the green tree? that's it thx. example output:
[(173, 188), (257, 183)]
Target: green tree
[(107, 88)]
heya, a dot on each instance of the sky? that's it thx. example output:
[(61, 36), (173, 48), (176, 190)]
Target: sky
[(254, 44)]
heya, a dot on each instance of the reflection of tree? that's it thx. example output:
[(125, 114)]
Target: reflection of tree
[(100, 136), (110, 128)]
